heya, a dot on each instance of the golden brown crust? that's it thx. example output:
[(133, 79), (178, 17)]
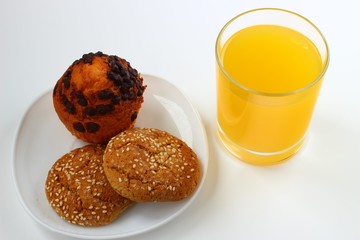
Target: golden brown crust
[(98, 96), (145, 164), (78, 190)]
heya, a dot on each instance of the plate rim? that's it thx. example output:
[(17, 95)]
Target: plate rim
[(166, 220)]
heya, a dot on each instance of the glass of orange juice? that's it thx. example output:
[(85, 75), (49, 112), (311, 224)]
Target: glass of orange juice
[(270, 67)]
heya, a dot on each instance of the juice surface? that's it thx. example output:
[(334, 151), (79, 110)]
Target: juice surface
[(272, 60)]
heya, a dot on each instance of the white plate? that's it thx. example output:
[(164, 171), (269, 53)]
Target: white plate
[(42, 139)]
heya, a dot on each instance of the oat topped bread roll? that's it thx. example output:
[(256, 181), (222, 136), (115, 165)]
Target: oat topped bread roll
[(147, 164), (98, 96), (78, 190)]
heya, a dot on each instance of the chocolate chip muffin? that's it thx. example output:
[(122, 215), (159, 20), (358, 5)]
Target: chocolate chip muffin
[(146, 164), (78, 190), (98, 96)]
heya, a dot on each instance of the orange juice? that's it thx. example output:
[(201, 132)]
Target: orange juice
[(267, 88)]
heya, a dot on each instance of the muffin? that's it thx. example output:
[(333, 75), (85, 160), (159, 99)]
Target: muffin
[(151, 165), (78, 190), (98, 96)]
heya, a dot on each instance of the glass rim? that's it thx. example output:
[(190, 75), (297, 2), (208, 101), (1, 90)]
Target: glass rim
[(307, 86)]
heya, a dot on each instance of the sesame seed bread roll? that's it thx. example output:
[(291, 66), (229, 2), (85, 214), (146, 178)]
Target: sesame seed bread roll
[(146, 165), (78, 190)]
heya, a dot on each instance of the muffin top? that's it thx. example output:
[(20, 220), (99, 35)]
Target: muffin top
[(98, 96)]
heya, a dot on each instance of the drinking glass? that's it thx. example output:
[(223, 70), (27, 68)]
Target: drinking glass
[(270, 64)]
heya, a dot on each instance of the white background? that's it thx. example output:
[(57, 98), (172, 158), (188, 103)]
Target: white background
[(315, 195)]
